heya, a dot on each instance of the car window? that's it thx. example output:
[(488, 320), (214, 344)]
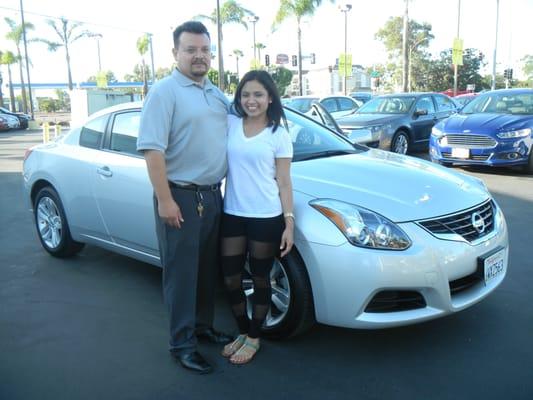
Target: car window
[(330, 104), (125, 131), (444, 103), (425, 103), (346, 104), (387, 105), (92, 133), (501, 103)]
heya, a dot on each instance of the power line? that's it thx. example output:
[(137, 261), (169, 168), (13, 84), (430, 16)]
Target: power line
[(73, 20)]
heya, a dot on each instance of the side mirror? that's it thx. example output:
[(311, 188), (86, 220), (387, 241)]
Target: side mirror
[(420, 112)]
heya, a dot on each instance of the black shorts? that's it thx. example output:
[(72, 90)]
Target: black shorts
[(258, 229)]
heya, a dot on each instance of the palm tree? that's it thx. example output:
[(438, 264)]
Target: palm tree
[(8, 58), (66, 31), (230, 12), (238, 54), (16, 35), (297, 9), (143, 43), (259, 47)]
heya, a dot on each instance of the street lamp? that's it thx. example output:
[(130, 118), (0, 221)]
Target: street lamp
[(98, 36), (345, 8), (253, 19)]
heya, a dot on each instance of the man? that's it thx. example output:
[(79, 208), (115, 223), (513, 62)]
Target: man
[(183, 137)]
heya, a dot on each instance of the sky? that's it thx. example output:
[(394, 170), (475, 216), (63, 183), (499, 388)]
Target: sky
[(122, 22)]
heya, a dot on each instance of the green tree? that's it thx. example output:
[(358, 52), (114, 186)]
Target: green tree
[(68, 33), (63, 100), (8, 58), (110, 77), (527, 68), (282, 77), (238, 55), (143, 44), (163, 72), (439, 73), (230, 12), (259, 47), (418, 39), (297, 9), (16, 35)]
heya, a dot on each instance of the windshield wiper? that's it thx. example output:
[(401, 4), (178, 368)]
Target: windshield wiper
[(324, 154)]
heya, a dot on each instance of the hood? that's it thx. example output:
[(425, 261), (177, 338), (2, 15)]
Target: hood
[(400, 188), (360, 120), (485, 123)]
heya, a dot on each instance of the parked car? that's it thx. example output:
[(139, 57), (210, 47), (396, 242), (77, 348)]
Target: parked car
[(381, 240), (24, 119), (397, 122), (464, 99), (361, 96), (12, 121), (494, 129), (337, 106)]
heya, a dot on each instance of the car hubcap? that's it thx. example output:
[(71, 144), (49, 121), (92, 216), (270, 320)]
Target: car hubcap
[(49, 222), (281, 294), (401, 145)]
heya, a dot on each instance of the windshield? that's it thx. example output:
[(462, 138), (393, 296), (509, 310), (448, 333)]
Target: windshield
[(501, 103), (387, 105), (310, 139), (301, 104)]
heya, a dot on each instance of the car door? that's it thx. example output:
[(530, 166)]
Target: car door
[(122, 188), (423, 119)]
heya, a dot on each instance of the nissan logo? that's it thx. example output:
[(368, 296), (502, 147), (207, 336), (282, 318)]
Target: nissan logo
[(478, 222)]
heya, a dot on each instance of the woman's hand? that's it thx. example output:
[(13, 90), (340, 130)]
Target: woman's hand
[(287, 238)]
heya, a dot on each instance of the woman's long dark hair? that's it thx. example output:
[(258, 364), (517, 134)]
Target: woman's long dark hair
[(275, 112)]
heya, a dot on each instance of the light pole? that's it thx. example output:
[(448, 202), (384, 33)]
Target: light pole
[(345, 8), (493, 85), (253, 19), (27, 58), (455, 66), (98, 36)]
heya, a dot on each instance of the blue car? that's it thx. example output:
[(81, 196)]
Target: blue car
[(494, 129)]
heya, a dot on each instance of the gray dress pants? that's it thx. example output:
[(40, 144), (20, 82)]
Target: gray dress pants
[(189, 257)]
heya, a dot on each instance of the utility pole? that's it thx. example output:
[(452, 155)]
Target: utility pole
[(152, 58), (221, 80), (493, 85), (455, 66), (404, 47)]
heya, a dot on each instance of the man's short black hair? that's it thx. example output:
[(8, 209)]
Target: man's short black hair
[(191, 27)]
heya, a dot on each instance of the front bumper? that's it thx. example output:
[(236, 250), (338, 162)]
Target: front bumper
[(345, 279), (507, 152)]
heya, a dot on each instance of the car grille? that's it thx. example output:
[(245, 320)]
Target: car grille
[(483, 157), (462, 223), (470, 141)]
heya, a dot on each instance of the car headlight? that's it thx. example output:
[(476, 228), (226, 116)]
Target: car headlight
[(437, 133), (362, 227), (514, 134)]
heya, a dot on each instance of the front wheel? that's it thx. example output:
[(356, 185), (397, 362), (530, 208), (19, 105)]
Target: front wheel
[(400, 143), (528, 168), (52, 225), (291, 308)]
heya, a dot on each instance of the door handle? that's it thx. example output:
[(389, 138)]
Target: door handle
[(105, 171)]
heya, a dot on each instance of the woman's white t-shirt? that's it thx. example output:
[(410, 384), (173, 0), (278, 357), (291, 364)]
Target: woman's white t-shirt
[(251, 187)]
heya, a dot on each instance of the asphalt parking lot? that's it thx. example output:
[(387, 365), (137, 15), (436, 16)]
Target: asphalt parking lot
[(94, 327)]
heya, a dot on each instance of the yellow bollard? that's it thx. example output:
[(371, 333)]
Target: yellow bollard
[(57, 130), (46, 132)]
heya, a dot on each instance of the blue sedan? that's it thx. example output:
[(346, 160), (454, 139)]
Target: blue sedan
[(494, 129)]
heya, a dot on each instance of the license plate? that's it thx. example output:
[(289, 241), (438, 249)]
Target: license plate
[(492, 266), (460, 153)]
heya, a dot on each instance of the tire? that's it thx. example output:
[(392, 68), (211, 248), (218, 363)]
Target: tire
[(528, 168), (52, 225), (292, 310), (400, 143)]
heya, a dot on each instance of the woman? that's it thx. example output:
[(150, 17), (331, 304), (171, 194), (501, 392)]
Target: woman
[(258, 222)]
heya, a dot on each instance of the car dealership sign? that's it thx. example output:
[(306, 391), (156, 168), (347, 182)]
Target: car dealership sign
[(282, 59)]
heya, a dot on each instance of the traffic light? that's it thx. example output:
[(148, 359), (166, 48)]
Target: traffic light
[(510, 73), (313, 58), (294, 61), (267, 60)]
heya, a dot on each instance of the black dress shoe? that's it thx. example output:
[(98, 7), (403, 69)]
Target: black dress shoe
[(195, 362), (214, 337)]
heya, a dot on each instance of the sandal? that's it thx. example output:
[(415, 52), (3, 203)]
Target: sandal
[(232, 347), (247, 351)]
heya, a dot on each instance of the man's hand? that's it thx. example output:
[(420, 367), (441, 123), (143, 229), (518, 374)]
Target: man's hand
[(170, 212)]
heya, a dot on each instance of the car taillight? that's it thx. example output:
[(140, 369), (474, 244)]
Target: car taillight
[(27, 154)]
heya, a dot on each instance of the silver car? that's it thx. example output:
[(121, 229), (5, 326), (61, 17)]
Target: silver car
[(381, 239)]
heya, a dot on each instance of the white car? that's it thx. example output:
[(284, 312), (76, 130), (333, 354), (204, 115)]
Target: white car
[(381, 239), (12, 121)]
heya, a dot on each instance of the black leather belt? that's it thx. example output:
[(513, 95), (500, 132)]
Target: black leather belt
[(196, 188)]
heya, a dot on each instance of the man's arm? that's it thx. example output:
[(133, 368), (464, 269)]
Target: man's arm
[(167, 208)]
